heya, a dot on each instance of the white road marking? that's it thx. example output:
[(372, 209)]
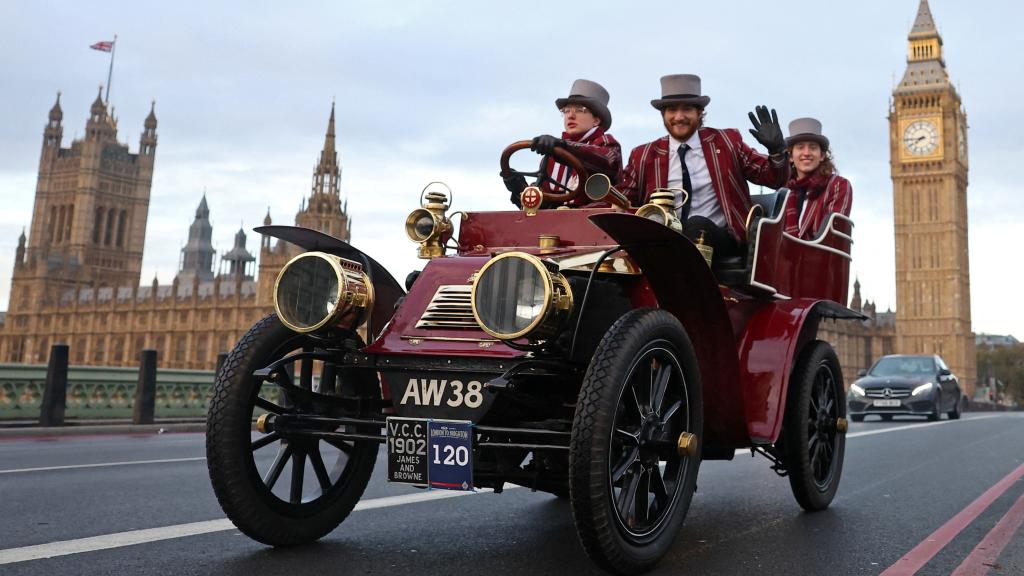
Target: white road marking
[(849, 435), (102, 465), (132, 537)]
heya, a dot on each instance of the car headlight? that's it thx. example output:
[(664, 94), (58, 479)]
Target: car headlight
[(515, 295), (856, 390), (922, 388), (316, 290)]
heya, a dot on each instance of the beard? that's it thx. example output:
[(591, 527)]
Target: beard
[(681, 130)]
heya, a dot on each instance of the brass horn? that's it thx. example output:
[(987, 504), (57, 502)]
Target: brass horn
[(599, 189)]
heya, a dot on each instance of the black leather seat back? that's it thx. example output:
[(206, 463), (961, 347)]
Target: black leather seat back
[(772, 203)]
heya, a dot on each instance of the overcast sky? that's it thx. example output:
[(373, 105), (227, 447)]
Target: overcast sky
[(434, 91)]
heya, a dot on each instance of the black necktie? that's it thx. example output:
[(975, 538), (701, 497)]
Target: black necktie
[(683, 148), (686, 179)]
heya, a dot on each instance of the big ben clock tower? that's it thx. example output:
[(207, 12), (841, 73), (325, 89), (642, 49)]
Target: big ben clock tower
[(928, 151)]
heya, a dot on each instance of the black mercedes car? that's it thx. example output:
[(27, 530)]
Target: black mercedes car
[(906, 384)]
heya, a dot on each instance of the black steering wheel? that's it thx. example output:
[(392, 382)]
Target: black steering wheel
[(541, 176)]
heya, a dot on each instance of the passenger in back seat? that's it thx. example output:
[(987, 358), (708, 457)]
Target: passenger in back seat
[(816, 189)]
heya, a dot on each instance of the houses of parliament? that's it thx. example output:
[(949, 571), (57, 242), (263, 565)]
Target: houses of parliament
[(76, 279)]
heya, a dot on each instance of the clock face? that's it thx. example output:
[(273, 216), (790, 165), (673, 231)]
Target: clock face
[(921, 138)]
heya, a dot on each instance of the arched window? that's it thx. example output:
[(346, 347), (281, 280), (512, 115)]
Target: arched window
[(53, 222), (60, 224), (110, 227), (97, 226), (120, 227), (70, 222)]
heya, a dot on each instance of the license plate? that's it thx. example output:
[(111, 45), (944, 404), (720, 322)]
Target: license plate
[(887, 403), (434, 453)]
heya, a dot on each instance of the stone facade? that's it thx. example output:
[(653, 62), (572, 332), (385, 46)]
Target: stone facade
[(928, 144), (76, 279)]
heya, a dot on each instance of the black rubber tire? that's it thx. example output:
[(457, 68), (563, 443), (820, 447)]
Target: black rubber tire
[(954, 414), (816, 379), (237, 483), (937, 411), (638, 343), (857, 417)]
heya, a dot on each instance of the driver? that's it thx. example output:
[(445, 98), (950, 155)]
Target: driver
[(586, 119), (713, 165), (817, 189)]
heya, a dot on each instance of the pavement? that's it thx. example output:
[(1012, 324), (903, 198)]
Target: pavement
[(26, 429), (917, 497)]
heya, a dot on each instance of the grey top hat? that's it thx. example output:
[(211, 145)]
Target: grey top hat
[(592, 95), (680, 89), (803, 129)]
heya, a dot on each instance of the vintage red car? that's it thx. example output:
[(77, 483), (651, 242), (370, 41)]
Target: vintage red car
[(591, 353)]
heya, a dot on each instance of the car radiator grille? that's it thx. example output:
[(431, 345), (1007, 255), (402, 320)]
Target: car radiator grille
[(893, 393), (449, 308)]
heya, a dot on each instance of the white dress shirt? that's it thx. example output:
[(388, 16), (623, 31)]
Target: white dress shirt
[(703, 201)]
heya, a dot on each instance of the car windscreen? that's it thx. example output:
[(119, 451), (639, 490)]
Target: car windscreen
[(908, 366)]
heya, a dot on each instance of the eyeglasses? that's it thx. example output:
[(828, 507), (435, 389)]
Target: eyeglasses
[(575, 110)]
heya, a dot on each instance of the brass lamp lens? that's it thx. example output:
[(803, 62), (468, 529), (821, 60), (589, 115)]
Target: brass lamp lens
[(423, 226), (307, 292), (511, 295), (651, 213)]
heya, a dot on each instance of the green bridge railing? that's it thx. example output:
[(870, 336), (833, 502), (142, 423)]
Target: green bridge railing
[(96, 392)]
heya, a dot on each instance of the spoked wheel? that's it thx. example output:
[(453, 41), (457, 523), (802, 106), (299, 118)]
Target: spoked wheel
[(814, 433), (277, 488), (635, 448)]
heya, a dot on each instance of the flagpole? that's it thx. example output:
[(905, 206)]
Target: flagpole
[(110, 72)]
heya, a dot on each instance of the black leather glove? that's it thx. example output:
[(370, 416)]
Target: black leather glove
[(515, 183), (767, 130), (545, 144)]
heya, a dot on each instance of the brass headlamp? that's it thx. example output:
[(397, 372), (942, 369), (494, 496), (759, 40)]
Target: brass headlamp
[(662, 208), (516, 295), (430, 225), (319, 291)]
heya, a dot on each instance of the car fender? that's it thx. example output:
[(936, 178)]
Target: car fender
[(387, 290), (684, 286), (769, 344)]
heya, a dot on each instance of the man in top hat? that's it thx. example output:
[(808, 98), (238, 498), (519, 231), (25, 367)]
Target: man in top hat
[(586, 120), (816, 189), (712, 165)]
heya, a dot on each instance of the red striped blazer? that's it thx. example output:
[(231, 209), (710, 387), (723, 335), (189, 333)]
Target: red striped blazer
[(731, 164), (837, 197), (599, 153)]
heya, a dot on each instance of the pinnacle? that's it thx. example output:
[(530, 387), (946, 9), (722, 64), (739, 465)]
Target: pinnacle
[(924, 23)]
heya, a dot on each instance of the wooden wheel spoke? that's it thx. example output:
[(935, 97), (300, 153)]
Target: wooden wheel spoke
[(269, 406), (661, 379), (261, 442), (626, 502), (670, 412), (317, 461), (627, 437), (642, 504), (283, 453), (626, 463), (658, 488), (345, 447), (298, 476)]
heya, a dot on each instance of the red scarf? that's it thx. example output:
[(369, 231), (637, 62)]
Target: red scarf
[(809, 186)]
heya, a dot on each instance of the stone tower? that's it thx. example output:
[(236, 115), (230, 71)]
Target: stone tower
[(197, 255), (89, 218), (928, 147), (322, 211)]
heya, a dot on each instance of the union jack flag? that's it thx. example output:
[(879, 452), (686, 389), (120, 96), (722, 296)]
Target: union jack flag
[(104, 46)]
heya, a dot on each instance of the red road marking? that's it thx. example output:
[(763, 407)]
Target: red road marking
[(987, 551), (912, 561)]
